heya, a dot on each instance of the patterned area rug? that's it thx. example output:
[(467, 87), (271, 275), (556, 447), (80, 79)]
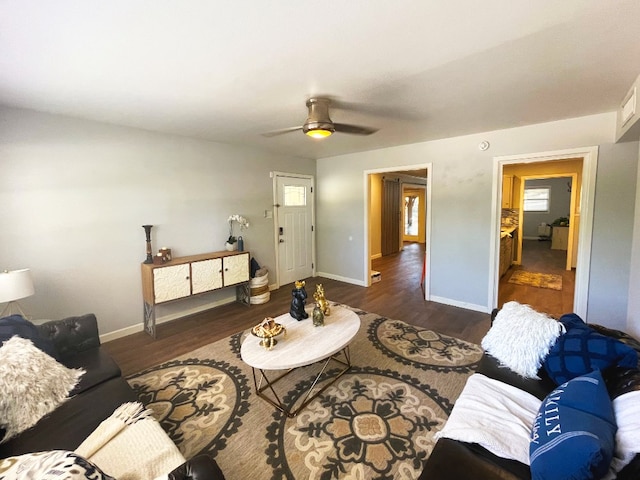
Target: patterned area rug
[(376, 422), (542, 280)]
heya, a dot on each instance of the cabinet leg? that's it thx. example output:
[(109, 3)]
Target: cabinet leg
[(150, 319), (243, 294)]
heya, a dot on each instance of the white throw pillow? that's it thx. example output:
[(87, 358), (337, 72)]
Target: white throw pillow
[(32, 383), (51, 465), (520, 338)]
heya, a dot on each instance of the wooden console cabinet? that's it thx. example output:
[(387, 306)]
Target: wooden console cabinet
[(184, 277)]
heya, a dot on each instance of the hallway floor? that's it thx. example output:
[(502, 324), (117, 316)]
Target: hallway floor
[(538, 257)]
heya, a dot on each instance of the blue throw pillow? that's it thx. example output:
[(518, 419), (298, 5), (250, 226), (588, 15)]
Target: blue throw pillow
[(18, 325), (573, 434), (581, 350)]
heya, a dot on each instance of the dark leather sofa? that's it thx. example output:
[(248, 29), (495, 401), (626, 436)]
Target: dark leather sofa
[(100, 391), (454, 460)]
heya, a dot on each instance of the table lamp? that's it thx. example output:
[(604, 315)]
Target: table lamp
[(14, 285)]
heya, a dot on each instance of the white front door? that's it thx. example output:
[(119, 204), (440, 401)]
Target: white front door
[(294, 227)]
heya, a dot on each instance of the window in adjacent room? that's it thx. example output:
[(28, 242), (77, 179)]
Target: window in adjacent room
[(536, 199)]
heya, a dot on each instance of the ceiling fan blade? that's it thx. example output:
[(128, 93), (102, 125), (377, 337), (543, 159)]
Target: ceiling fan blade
[(281, 131), (354, 129)]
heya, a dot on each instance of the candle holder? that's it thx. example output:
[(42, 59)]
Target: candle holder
[(147, 231)]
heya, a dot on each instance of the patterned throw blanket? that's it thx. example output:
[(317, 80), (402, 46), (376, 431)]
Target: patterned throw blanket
[(131, 445)]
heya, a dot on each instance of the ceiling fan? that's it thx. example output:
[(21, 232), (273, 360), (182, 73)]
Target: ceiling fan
[(320, 125)]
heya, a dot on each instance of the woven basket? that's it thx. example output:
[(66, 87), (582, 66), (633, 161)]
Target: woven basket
[(259, 281), (259, 290), (258, 299)]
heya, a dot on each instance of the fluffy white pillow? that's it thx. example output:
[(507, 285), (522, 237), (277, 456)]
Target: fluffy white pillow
[(52, 465), (32, 383), (520, 338)]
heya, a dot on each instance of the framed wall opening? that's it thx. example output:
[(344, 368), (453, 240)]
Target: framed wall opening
[(589, 158)]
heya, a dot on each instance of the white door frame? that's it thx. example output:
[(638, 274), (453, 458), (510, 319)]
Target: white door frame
[(589, 157), (367, 202), (276, 237)]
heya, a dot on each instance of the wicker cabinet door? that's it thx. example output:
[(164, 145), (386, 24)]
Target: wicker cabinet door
[(206, 275), (235, 269), (171, 282)]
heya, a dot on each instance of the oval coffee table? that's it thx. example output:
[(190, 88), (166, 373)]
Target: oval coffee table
[(302, 345)]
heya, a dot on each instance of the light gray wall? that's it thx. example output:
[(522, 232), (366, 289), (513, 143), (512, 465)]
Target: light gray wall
[(633, 316), (74, 195), (613, 234), (462, 184), (559, 205)]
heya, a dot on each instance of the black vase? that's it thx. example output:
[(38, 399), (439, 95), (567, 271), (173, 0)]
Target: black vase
[(147, 231)]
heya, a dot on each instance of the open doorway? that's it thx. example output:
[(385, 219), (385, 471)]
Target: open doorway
[(542, 274), (398, 215), (547, 207), (414, 217), (577, 169)]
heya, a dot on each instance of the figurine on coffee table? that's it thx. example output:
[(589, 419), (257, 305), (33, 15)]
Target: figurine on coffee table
[(321, 301), (299, 295)]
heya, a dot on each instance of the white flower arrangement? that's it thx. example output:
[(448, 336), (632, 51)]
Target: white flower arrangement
[(240, 220)]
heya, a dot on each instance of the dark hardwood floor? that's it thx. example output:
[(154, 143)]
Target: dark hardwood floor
[(537, 256), (398, 295)]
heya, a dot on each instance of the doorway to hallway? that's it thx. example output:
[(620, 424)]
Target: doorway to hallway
[(545, 201), (418, 177), (581, 214)]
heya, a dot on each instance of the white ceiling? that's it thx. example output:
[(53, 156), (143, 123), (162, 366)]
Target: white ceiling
[(230, 70)]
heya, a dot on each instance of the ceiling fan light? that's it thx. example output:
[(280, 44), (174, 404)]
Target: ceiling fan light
[(318, 128), (319, 133)]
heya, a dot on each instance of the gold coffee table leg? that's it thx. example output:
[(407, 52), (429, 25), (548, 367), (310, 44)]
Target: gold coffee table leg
[(310, 394)]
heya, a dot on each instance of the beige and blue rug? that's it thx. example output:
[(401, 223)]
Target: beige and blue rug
[(376, 422)]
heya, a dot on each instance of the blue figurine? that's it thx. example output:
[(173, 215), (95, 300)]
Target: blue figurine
[(297, 302)]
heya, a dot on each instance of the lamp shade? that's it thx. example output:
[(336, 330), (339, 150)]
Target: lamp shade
[(15, 285)]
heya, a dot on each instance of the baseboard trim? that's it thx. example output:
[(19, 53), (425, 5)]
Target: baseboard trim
[(376, 255), (123, 332), (352, 281), (537, 238), (139, 327), (455, 303)]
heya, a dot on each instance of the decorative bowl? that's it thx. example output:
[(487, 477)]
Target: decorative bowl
[(267, 331)]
